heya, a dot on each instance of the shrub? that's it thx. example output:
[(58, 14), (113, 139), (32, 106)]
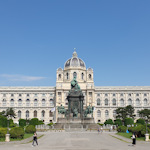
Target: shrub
[(118, 122), (17, 132), (141, 121), (22, 122), (128, 121), (11, 123), (109, 121), (50, 124), (3, 132), (122, 129), (34, 121), (3, 121), (30, 129), (40, 122)]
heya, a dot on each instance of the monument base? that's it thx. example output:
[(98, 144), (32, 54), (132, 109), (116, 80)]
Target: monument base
[(7, 138)]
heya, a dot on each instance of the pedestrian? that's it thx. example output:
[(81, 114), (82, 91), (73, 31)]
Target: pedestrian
[(101, 129), (98, 130), (35, 138), (133, 139)]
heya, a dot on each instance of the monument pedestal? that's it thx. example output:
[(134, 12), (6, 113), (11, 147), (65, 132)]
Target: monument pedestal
[(7, 138), (146, 137)]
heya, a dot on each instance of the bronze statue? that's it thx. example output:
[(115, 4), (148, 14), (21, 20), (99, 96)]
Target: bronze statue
[(61, 109)]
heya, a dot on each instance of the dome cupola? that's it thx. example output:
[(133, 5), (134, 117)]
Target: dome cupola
[(75, 62)]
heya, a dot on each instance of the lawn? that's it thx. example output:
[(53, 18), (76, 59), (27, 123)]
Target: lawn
[(128, 135), (25, 137)]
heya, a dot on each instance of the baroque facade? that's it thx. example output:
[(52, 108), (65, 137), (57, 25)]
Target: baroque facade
[(42, 102)]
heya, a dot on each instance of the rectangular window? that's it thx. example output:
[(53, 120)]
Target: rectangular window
[(121, 94), (98, 94), (19, 94), (59, 93), (145, 94), (27, 94), (90, 93), (129, 94), (137, 94), (114, 94), (106, 94), (12, 95)]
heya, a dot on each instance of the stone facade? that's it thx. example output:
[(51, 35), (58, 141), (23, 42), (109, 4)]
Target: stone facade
[(40, 102)]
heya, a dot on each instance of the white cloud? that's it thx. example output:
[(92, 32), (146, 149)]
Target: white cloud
[(17, 77)]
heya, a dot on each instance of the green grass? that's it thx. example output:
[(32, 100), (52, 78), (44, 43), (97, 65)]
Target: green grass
[(128, 135), (11, 139)]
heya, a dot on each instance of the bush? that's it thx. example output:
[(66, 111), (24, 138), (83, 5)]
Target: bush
[(3, 121), (50, 124), (34, 121), (118, 122), (141, 121), (122, 129), (22, 122), (17, 132), (11, 123), (3, 132), (109, 121), (40, 122), (30, 129), (128, 121)]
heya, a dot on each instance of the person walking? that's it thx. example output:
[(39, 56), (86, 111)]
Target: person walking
[(35, 139), (133, 139)]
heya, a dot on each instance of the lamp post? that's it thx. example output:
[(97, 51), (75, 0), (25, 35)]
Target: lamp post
[(7, 137), (146, 135)]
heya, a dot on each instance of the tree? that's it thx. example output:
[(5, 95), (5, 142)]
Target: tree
[(130, 111), (145, 113), (128, 121), (10, 113), (109, 121), (125, 112)]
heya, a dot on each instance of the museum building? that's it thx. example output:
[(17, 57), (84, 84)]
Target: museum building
[(42, 102)]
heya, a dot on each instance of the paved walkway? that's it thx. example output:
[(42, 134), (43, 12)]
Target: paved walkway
[(78, 141)]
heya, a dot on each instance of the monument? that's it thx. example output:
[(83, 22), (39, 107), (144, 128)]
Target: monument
[(75, 114)]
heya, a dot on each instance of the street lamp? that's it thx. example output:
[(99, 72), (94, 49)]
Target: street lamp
[(146, 135)]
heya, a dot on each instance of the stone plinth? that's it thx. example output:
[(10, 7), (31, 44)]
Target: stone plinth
[(146, 137), (7, 138)]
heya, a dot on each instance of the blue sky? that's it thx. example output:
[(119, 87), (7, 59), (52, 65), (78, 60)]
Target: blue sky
[(112, 37)]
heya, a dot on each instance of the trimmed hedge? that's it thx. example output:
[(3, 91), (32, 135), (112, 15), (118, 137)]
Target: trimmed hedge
[(3, 121), (22, 122), (17, 132), (128, 121), (118, 122), (3, 132), (141, 121), (109, 121), (30, 129), (122, 129)]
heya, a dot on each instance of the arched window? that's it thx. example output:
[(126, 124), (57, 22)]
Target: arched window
[(19, 102), (114, 101), (35, 102), (43, 113), (67, 74), (106, 102), (27, 114), (129, 101), (122, 102), (43, 102), (114, 113), (98, 113), (137, 102), (12, 102), (82, 76), (98, 101), (51, 102), (145, 102), (75, 74), (106, 113), (27, 102), (59, 76), (35, 114), (90, 76), (50, 114), (19, 114)]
